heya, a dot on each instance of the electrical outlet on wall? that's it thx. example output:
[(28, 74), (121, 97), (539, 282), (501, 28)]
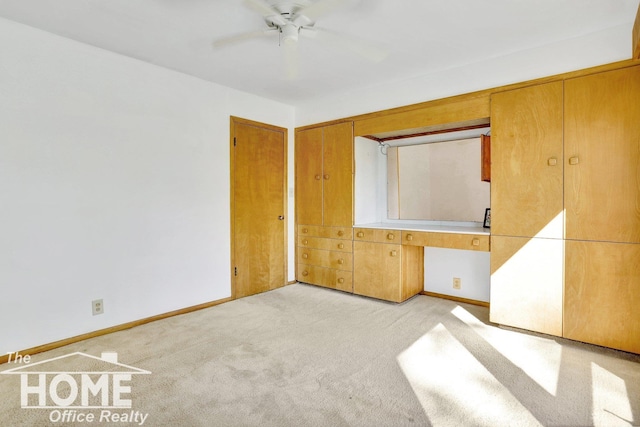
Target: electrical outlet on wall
[(97, 307), (457, 283)]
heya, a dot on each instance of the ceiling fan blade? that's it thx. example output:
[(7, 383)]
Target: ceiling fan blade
[(290, 60), (266, 10), (366, 49), (238, 38), (310, 13)]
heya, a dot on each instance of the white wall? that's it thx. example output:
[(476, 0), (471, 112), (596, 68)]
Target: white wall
[(471, 267), (114, 184), (610, 45)]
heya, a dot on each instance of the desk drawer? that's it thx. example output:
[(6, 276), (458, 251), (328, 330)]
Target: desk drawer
[(377, 235), (325, 244), (329, 259), (471, 242), (327, 277), (345, 233)]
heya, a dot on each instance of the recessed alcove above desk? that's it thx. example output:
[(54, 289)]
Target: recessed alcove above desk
[(445, 220)]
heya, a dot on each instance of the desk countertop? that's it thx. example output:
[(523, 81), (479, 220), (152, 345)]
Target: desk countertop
[(430, 226)]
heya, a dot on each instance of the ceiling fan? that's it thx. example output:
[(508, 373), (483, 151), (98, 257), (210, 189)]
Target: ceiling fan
[(290, 19)]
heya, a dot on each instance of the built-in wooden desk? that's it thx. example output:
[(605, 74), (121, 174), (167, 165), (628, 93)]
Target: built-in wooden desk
[(388, 258)]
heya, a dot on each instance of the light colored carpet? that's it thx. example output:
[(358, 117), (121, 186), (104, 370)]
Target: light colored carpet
[(307, 356)]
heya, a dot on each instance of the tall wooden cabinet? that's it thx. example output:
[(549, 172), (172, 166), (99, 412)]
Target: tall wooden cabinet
[(527, 208), (324, 205), (602, 202), (566, 202), (324, 176)]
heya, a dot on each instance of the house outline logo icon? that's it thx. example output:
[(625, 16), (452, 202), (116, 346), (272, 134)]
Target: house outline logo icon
[(97, 383)]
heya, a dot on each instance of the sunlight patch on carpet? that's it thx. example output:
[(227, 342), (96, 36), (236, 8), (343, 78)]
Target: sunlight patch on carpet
[(456, 389), (611, 405), (539, 357)]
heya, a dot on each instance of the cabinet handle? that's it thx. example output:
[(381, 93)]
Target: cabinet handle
[(360, 234), (390, 236), (574, 160), (305, 256), (341, 280), (341, 261), (305, 242), (393, 253), (326, 176), (340, 233), (552, 161), (475, 242), (305, 230), (340, 245), (318, 177), (305, 273), (409, 237)]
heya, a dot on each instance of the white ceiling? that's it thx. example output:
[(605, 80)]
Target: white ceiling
[(422, 36)]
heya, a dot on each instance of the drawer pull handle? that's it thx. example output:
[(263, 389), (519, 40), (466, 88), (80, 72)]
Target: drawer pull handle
[(305, 256), (393, 253), (305, 230), (574, 160), (326, 177), (318, 177), (475, 242), (341, 261), (305, 273), (360, 234), (341, 280), (340, 233), (409, 237), (340, 245), (552, 161), (305, 242), (391, 236)]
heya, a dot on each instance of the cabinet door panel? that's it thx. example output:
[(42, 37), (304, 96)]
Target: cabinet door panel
[(526, 283), (377, 270), (526, 162), (602, 146), (309, 176), (602, 294), (338, 175)]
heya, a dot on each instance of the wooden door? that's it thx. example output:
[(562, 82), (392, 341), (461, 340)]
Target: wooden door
[(526, 162), (309, 176), (602, 294), (258, 207), (527, 283), (338, 175), (377, 270), (602, 150)]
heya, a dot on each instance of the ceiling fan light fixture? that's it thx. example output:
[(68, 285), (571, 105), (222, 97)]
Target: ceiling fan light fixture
[(289, 33)]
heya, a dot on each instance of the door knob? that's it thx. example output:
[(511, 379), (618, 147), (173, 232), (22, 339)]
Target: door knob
[(281, 217)]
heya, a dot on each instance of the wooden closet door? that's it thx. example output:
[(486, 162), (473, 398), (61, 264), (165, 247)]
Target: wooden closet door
[(602, 150), (338, 175), (258, 207), (308, 158), (602, 294), (526, 162), (527, 283)]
